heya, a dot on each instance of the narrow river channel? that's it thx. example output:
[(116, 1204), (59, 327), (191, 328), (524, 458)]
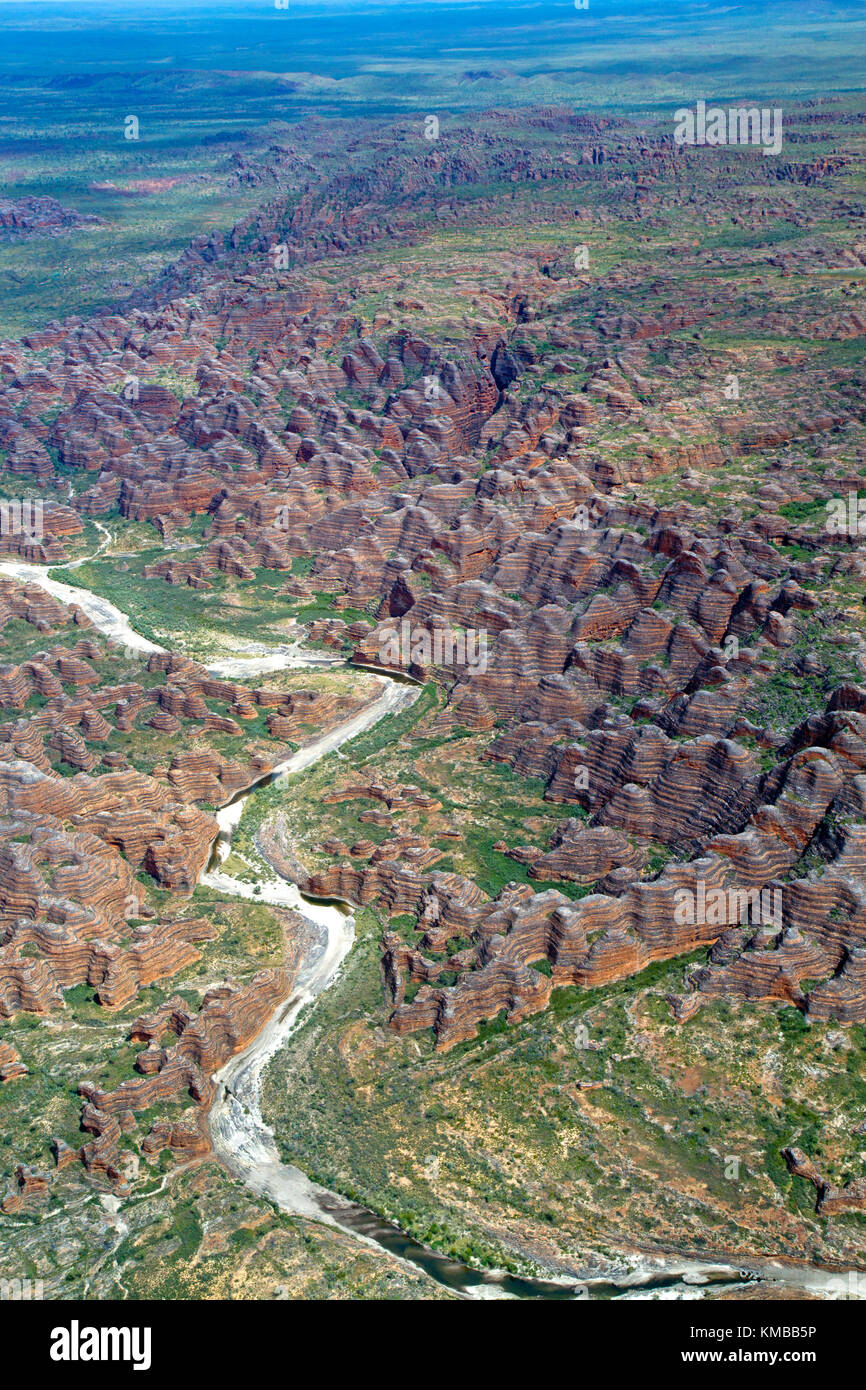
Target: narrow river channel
[(247, 1146)]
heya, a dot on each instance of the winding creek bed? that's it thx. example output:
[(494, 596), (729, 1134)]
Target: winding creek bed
[(243, 1141)]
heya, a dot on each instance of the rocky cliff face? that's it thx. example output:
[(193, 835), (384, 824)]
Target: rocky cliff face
[(21, 218)]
